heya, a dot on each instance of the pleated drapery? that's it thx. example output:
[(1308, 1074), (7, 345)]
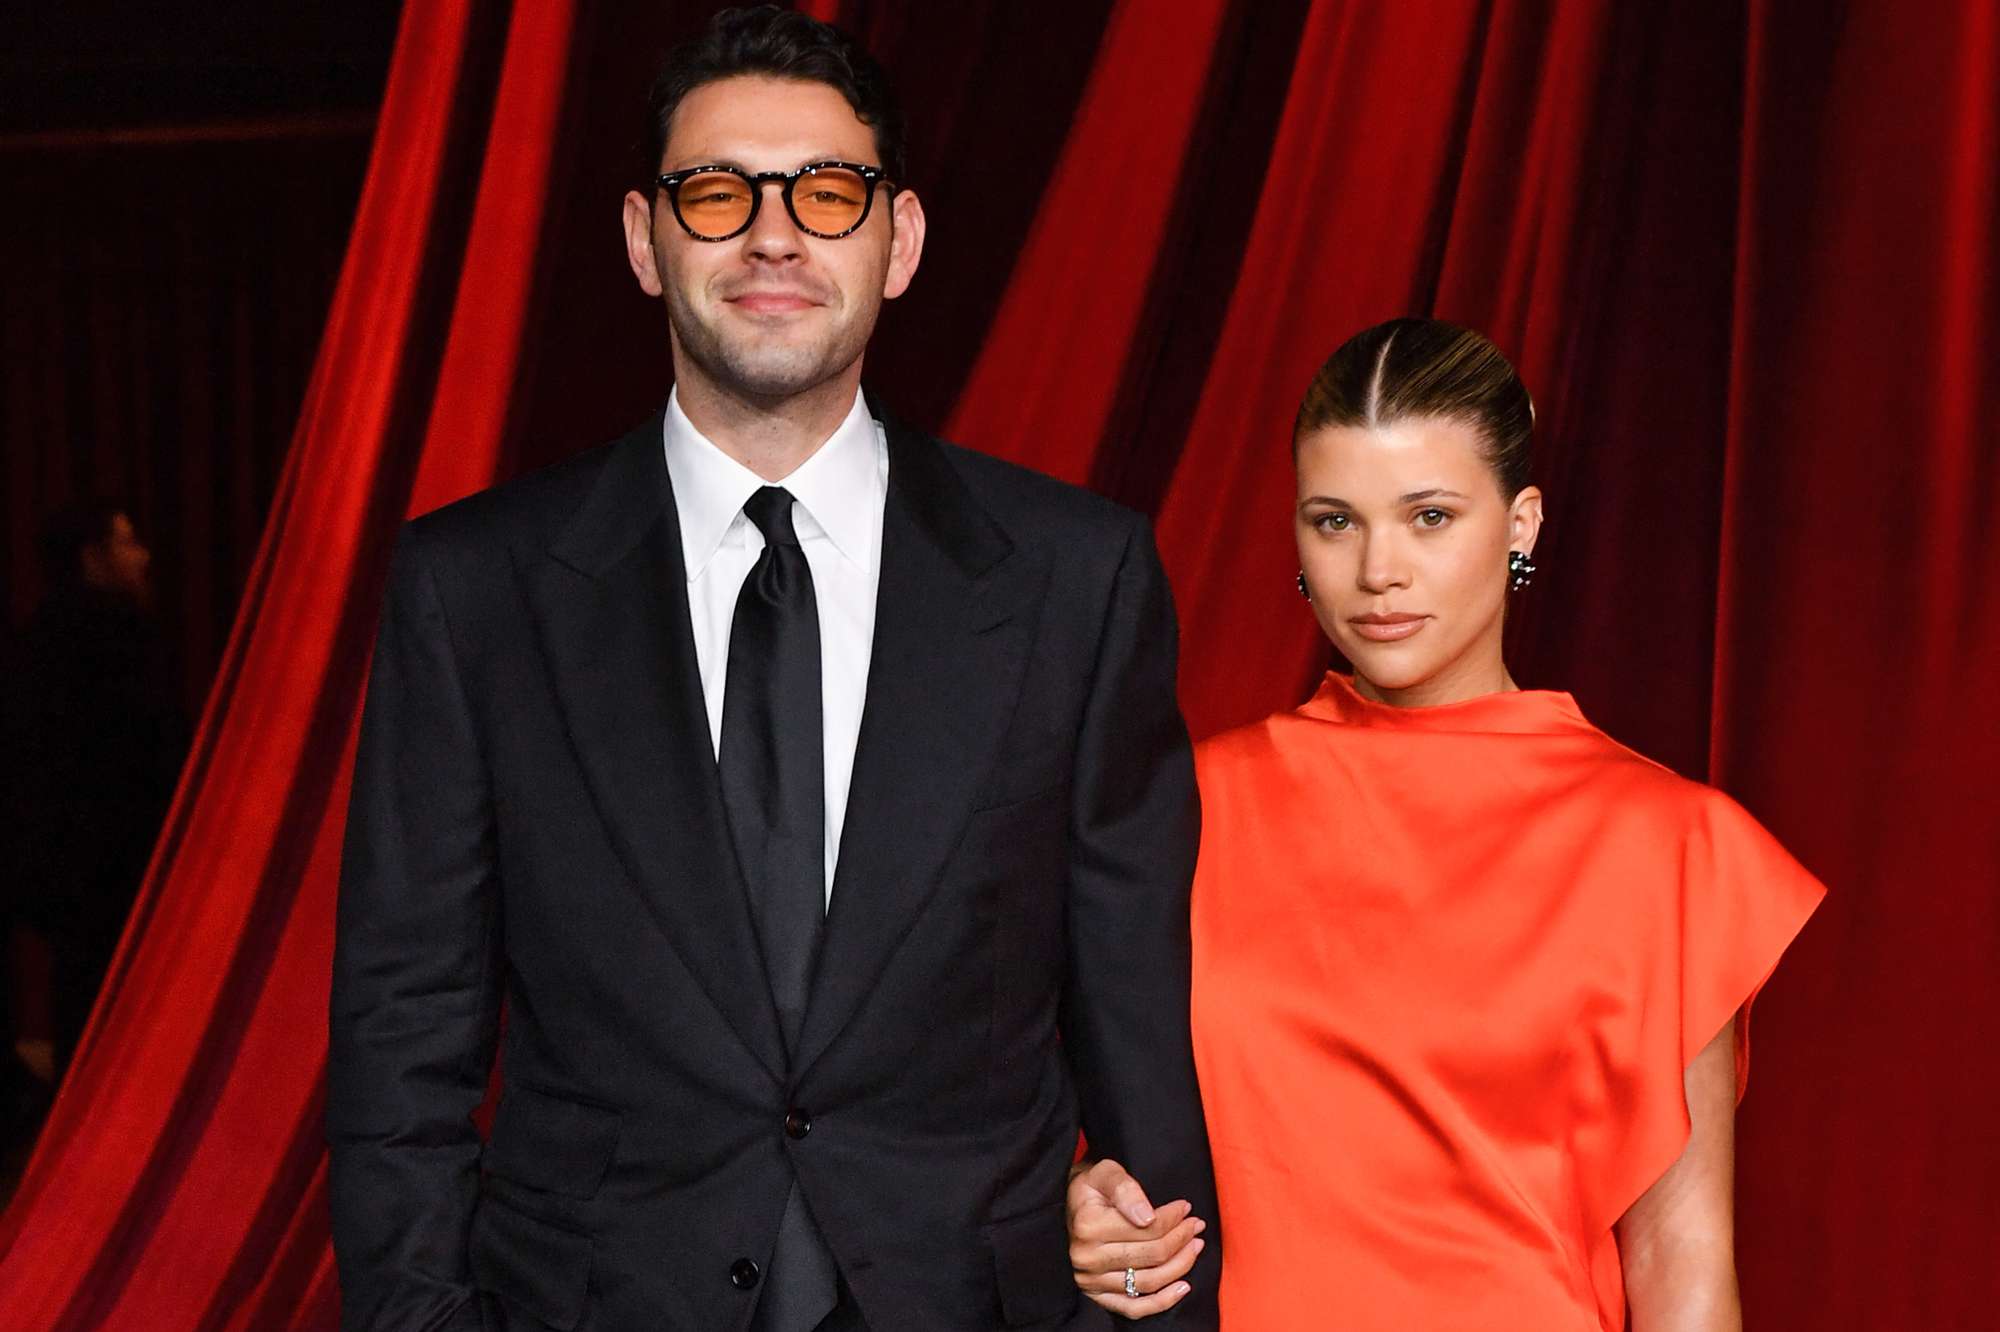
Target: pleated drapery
[(1744, 255), (181, 1179)]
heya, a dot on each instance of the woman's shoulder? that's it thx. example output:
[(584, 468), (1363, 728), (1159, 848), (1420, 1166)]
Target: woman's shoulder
[(1713, 829), (1616, 772)]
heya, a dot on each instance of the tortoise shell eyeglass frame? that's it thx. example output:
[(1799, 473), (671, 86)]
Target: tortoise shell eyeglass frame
[(670, 184)]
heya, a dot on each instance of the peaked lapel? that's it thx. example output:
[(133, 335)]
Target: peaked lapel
[(950, 644), (612, 603)]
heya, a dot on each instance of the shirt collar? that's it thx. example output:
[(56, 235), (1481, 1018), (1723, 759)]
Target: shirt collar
[(838, 488)]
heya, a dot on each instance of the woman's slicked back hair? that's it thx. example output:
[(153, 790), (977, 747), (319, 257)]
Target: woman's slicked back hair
[(1411, 368)]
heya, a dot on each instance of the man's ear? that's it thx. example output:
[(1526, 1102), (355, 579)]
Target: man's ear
[(906, 243), (639, 243)]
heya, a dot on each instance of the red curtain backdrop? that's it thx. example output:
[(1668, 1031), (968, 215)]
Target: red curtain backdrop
[(1858, 649), (138, 277), (1744, 255)]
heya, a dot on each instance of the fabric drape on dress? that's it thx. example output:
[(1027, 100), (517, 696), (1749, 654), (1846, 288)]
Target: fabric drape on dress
[(1743, 254), (1451, 965)]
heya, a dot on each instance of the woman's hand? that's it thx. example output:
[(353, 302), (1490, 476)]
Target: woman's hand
[(1112, 1228)]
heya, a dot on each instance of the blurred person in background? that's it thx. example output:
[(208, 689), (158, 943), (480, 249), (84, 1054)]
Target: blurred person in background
[(94, 740)]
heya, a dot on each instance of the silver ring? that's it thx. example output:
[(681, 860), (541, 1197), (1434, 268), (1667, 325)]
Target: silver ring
[(1131, 1283)]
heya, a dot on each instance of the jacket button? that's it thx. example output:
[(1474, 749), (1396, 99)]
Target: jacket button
[(797, 1123), (743, 1274)]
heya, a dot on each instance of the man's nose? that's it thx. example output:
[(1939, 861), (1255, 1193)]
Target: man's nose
[(773, 237)]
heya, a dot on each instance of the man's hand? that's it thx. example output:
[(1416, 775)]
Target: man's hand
[(1113, 1227)]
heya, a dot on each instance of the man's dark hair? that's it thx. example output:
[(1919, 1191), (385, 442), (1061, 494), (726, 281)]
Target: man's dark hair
[(783, 44), (67, 532)]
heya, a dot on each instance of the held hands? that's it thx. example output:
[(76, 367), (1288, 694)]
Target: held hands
[(1112, 1227)]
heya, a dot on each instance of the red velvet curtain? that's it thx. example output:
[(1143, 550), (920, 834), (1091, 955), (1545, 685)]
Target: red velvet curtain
[(1858, 651), (180, 1181), (155, 342), (1744, 255)]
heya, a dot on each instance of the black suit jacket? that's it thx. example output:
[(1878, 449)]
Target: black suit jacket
[(536, 818)]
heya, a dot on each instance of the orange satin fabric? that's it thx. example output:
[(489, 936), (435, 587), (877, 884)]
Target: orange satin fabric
[(1449, 967)]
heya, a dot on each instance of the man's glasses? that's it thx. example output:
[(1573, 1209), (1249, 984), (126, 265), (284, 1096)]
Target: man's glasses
[(825, 199)]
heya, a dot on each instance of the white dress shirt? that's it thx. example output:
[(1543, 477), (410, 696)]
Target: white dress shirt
[(838, 495)]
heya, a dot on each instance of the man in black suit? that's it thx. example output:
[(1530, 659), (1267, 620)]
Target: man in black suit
[(811, 791)]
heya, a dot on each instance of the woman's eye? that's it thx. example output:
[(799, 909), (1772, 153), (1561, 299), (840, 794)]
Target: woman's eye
[(1432, 518), (1331, 522)]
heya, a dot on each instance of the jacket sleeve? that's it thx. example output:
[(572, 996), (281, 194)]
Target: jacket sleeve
[(1135, 825), (416, 977)]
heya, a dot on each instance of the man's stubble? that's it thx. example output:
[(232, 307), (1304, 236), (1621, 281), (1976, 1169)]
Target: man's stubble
[(755, 369)]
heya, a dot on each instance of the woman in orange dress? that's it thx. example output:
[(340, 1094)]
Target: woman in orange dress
[(1472, 980)]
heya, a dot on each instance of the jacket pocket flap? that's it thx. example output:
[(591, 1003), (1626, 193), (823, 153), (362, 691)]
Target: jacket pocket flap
[(544, 1269), (552, 1143), (1031, 1265)]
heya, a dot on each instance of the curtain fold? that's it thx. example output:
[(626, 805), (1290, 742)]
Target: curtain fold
[(165, 373), (1048, 373), (179, 1182), (1857, 646), (1744, 256)]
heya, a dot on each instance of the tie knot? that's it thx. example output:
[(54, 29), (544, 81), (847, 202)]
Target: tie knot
[(771, 509)]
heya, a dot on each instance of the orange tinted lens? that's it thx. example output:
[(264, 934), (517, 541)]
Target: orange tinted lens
[(714, 203), (830, 200)]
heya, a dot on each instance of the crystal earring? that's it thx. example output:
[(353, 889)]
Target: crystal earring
[(1520, 570), (1304, 591)]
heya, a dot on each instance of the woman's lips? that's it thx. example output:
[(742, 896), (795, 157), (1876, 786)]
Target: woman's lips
[(1387, 628)]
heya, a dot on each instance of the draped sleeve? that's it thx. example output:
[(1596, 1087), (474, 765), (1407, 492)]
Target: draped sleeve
[(1703, 949)]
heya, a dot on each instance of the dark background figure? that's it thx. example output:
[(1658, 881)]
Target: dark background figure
[(95, 734)]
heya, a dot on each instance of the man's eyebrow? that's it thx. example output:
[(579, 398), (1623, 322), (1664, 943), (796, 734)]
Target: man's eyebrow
[(736, 164)]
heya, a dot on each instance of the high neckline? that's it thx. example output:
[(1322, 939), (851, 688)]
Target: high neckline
[(1517, 711)]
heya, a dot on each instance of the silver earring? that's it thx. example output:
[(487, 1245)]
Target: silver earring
[(1520, 570), (1304, 591)]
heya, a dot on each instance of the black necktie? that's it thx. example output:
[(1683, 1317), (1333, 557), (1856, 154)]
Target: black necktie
[(773, 775), (774, 790)]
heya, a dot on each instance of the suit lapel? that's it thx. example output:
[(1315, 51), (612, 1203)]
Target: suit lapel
[(612, 603), (950, 643)]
